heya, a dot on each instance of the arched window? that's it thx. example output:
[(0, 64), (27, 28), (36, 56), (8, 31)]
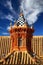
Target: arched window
[(19, 41)]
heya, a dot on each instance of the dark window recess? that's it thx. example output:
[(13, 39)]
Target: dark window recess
[(15, 30), (20, 41), (24, 30)]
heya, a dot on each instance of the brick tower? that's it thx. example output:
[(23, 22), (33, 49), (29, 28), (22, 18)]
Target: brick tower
[(21, 35)]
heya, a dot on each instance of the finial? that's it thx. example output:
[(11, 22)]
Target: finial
[(21, 12), (32, 25), (11, 24), (21, 9)]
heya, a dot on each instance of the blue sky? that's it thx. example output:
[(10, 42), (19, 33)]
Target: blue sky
[(9, 11)]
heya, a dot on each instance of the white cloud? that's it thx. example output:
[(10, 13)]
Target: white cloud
[(8, 27), (11, 16), (31, 9), (8, 5), (5, 33), (8, 17)]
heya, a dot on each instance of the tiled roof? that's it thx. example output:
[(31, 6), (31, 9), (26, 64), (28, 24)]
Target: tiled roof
[(17, 57)]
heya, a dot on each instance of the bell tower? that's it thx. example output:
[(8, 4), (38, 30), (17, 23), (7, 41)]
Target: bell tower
[(21, 34)]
